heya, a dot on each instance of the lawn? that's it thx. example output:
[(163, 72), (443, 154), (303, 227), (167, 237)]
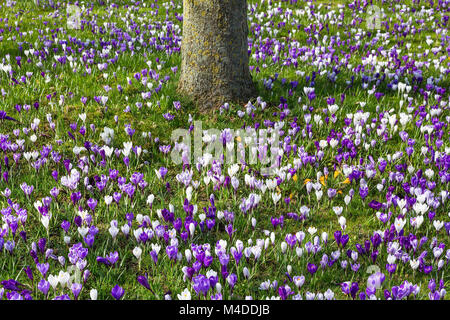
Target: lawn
[(94, 207)]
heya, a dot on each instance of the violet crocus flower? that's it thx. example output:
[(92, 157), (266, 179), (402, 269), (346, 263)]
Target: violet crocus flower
[(162, 172), (177, 105), (378, 95), (9, 246), (391, 268), (143, 280), (27, 189), (375, 205), (232, 279), (43, 268), (200, 284), (337, 237), (344, 240), (345, 288), (363, 192), (117, 196), (113, 257), (331, 193), (172, 252), (89, 240), (428, 269), (154, 256), (168, 116), (44, 286), (76, 289), (432, 285), (354, 288), (92, 203), (117, 292), (29, 272), (86, 275), (312, 268), (165, 148), (229, 229), (65, 225)]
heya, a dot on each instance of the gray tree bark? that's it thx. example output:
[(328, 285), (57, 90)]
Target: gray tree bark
[(214, 48)]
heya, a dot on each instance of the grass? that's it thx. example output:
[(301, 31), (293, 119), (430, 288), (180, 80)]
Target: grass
[(167, 276)]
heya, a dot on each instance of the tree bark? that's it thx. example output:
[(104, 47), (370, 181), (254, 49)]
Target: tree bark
[(214, 48)]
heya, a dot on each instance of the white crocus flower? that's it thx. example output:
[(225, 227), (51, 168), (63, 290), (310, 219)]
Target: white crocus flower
[(53, 280), (93, 294), (113, 231), (276, 197), (108, 200), (399, 224), (83, 231), (438, 224), (414, 264), (137, 252), (185, 295), (342, 222)]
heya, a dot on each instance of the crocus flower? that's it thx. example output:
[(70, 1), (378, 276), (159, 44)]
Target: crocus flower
[(117, 292), (143, 280), (44, 286), (201, 284), (312, 268), (232, 279), (76, 289)]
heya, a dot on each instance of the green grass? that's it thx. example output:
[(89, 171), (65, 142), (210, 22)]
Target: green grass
[(165, 275)]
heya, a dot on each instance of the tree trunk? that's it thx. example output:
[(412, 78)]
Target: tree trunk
[(214, 67)]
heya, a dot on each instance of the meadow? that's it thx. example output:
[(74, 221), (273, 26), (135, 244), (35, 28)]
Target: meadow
[(93, 207)]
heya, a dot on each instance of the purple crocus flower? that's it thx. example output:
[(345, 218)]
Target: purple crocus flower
[(43, 268), (354, 289), (9, 246), (89, 240), (172, 252), (375, 280), (312, 268), (117, 196), (143, 280), (29, 272), (229, 229), (391, 268), (163, 171), (378, 95), (363, 192), (337, 236), (65, 225), (92, 203), (344, 240), (232, 279), (375, 205), (44, 286), (76, 289), (201, 284), (154, 256), (117, 292), (331, 193), (113, 257)]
